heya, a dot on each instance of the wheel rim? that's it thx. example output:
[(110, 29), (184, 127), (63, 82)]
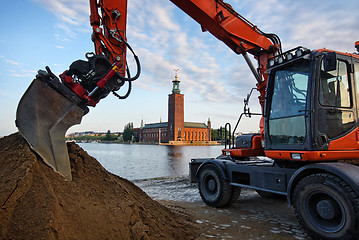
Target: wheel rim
[(325, 211), (210, 186)]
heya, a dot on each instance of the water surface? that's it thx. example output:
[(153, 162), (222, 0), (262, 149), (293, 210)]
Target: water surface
[(136, 161)]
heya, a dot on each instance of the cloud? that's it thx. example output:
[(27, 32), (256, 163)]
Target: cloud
[(165, 39), (12, 62), (323, 28), (59, 38), (73, 12), (314, 24), (72, 15), (15, 69), (20, 74)]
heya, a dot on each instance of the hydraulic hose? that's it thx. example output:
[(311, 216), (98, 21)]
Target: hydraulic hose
[(129, 79), (129, 87)]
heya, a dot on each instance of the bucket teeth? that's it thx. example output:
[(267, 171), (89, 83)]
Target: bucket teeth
[(43, 116)]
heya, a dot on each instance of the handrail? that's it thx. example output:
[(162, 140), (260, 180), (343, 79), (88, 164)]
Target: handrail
[(225, 136), (235, 128)]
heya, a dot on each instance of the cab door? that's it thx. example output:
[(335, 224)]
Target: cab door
[(336, 113), (288, 98)]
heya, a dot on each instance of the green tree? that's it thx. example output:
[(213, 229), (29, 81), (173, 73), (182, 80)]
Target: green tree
[(128, 132), (214, 134), (86, 138), (219, 134), (108, 135)]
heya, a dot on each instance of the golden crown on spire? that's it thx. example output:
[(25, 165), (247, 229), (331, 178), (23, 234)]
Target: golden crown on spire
[(176, 82)]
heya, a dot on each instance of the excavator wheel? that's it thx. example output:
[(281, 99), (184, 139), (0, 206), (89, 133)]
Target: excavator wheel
[(215, 191), (327, 207)]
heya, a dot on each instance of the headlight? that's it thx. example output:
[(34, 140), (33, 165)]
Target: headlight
[(280, 59), (296, 156), (271, 62), (299, 53), (289, 56)]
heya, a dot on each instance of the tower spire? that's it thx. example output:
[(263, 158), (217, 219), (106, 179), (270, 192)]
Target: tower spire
[(175, 88)]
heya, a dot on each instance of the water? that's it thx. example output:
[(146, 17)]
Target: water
[(135, 161)]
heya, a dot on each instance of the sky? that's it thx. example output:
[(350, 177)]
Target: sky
[(214, 80)]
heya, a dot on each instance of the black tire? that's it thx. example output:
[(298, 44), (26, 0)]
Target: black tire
[(215, 191), (327, 207)]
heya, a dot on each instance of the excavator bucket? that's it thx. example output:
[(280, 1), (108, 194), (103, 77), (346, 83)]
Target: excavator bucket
[(43, 117)]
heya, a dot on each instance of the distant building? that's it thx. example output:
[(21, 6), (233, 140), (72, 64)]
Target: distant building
[(176, 130)]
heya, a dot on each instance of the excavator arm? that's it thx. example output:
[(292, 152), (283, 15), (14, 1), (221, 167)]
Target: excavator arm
[(51, 105), (106, 69), (110, 36)]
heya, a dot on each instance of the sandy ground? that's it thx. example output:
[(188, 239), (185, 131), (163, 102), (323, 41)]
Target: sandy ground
[(37, 203), (250, 217)]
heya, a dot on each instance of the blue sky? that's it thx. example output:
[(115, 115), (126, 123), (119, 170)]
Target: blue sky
[(54, 33)]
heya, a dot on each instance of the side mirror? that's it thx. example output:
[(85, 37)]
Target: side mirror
[(330, 61)]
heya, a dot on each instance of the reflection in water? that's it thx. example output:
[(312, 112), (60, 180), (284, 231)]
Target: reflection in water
[(134, 161), (175, 159)]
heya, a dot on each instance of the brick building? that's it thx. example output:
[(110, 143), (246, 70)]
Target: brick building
[(176, 130)]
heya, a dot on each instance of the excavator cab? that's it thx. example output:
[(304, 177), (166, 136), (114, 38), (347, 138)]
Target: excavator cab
[(310, 103)]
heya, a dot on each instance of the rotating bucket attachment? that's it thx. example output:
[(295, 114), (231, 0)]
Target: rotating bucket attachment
[(44, 114), (50, 107)]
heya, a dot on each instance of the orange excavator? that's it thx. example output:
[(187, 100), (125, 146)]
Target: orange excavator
[(307, 148)]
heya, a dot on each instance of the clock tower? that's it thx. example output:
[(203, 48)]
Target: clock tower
[(175, 112)]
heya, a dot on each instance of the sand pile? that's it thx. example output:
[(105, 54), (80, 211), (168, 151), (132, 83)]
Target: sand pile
[(37, 203)]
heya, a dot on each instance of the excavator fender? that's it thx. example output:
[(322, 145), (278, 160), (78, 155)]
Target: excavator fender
[(347, 172), (43, 116), (218, 163)]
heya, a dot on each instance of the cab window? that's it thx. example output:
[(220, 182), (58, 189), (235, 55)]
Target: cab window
[(335, 116), (287, 112), (334, 87)]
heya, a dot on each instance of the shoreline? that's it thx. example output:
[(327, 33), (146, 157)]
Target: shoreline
[(158, 144)]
